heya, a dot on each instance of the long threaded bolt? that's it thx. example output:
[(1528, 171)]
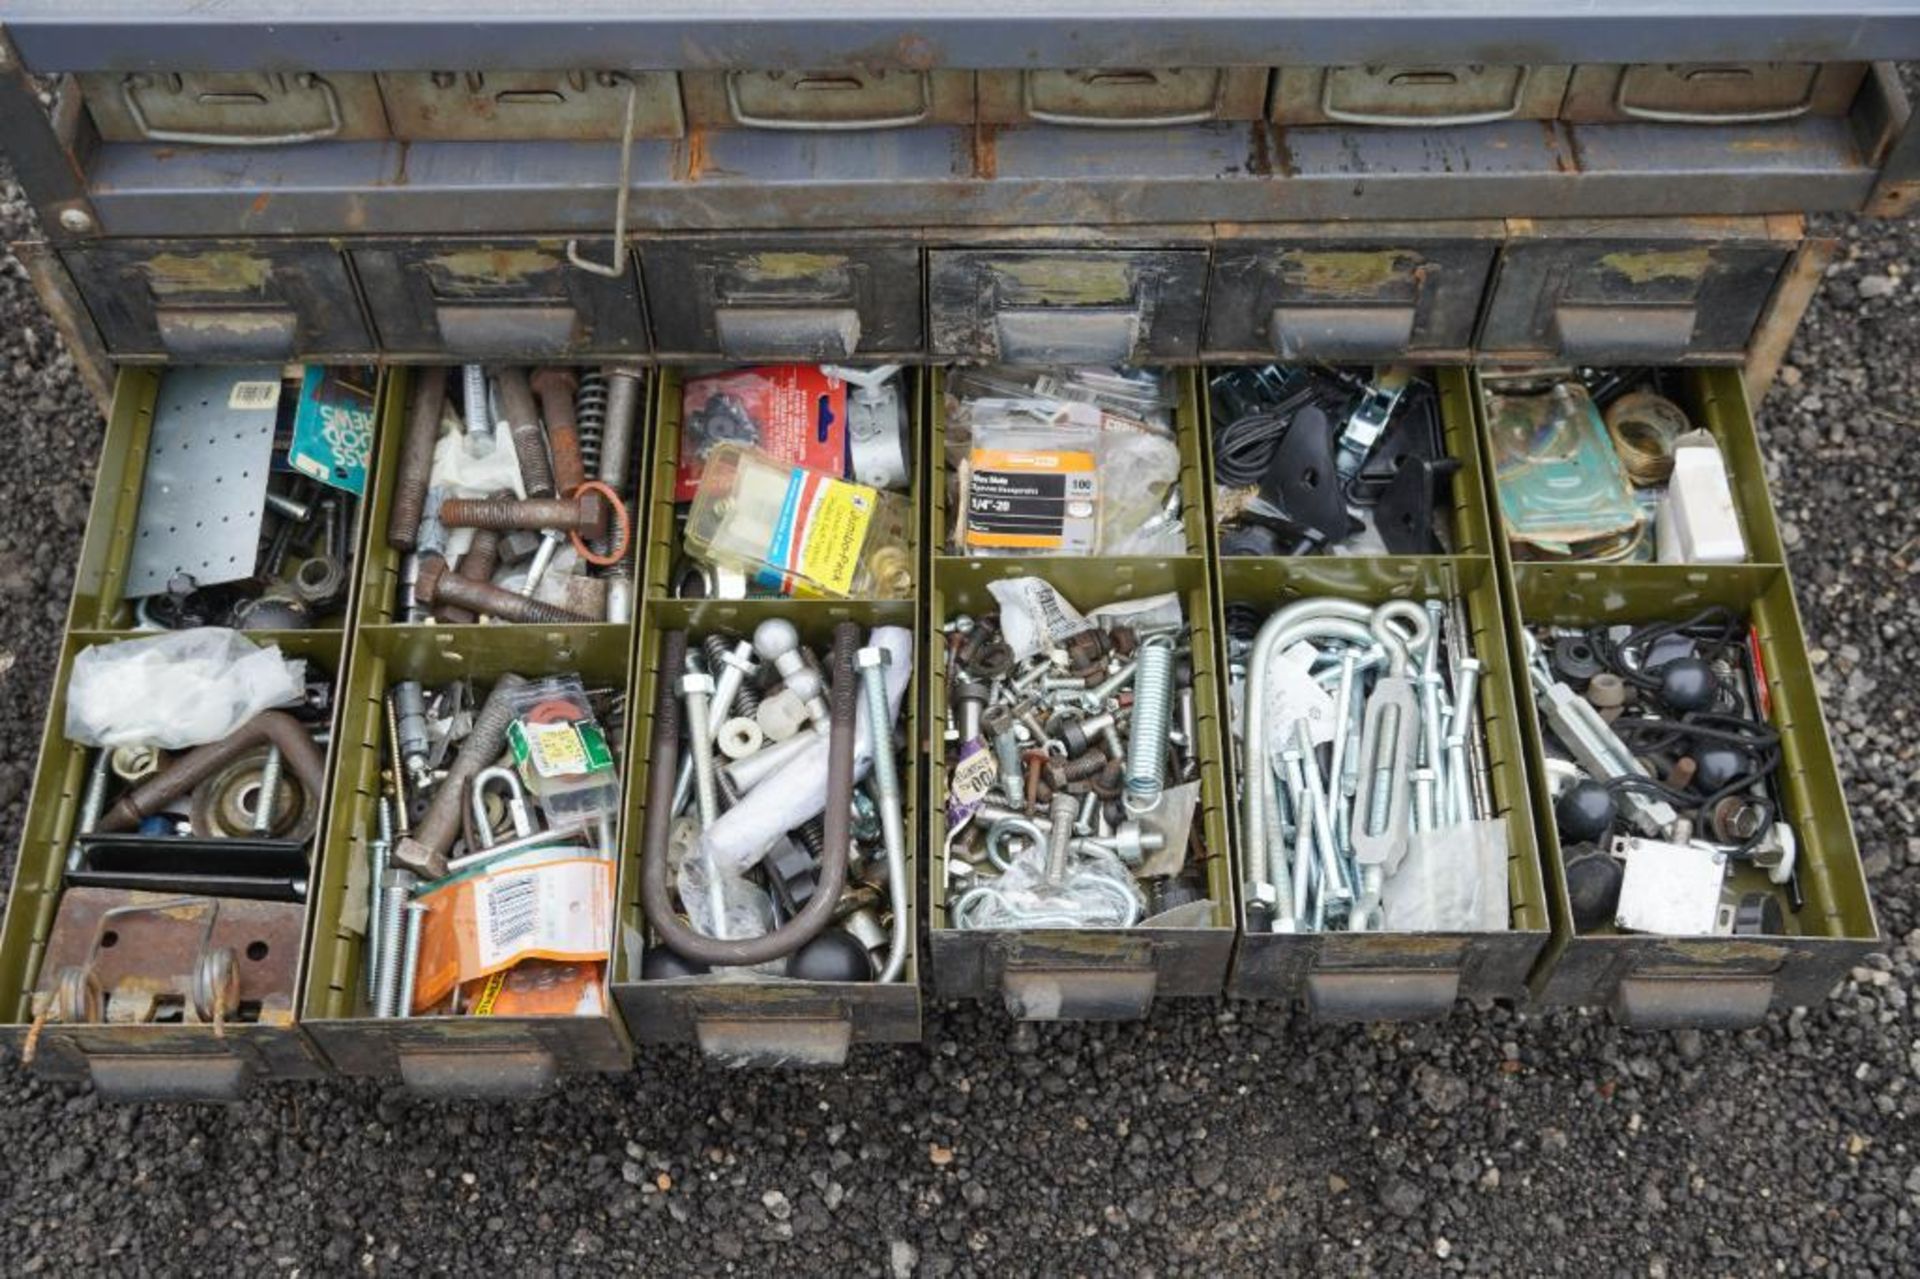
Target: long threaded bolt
[(476, 412), (624, 386), (872, 663), (529, 441), (269, 797), (377, 852), (439, 586), (560, 514), (389, 955), (556, 387), (416, 459), (697, 689), (410, 959)]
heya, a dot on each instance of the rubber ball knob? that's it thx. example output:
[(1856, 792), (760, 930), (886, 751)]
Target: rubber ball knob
[(835, 955), (1687, 684), (661, 964), (1716, 765), (1593, 885), (1584, 813)]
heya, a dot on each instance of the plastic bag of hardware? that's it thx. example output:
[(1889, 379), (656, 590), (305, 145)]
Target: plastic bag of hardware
[(1034, 616), (538, 988), (1145, 397), (1453, 880), (1097, 891), (1562, 490), (1055, 475), (562, 752), (177, 689), (556, 905)]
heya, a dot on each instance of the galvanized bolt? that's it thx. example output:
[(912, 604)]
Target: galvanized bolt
[(872, 663), (395, 889), (269, 797), (410, 971)]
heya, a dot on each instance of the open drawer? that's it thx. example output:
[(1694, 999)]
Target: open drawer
[(1757, 899)]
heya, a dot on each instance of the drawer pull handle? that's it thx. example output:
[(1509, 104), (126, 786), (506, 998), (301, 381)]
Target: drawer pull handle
[(1662, 115), (1518, 95), (617, 267), (1117, 80), (129, 94), (815, 84)]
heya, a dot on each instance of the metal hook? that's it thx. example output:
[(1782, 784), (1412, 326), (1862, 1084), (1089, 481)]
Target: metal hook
[(617, 268)]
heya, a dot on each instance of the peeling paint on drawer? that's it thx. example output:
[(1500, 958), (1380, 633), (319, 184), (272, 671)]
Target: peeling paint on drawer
[(1644, 266), (179, 274)]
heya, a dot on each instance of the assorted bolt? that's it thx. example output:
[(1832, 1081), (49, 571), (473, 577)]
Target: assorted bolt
[(795, 865), (1059, 768), (1363, 713), (519, 852), (569, 443)]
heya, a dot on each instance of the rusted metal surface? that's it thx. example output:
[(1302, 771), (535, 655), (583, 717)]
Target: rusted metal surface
[(68, 310), (556, 106), (1795, 292)]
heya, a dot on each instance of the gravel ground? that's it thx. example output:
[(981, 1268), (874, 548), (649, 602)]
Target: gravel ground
[(1211, 1138)]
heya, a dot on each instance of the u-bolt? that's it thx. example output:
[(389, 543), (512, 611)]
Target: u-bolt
[(656, 897), (517, 812), (1147, 737)]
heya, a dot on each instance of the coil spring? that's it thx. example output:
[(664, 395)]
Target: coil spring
[(1147, 737), (590, 412), (1243, 621), (812, 836)]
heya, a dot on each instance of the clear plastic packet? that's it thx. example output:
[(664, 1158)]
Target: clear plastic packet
[(561, 751), (1452, 880), (797, 531), (1562, 489), (177, 689), (1098, 891), (1147, 397)]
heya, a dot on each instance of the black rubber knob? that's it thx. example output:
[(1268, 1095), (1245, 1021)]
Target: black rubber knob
[(661, 964), (1759, 915), (835, 955), (1687, 684), (1584, 813), (1593, 885), (1716, 765)]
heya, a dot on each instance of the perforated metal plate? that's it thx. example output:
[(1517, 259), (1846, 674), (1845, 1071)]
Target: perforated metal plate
[(202, 499)]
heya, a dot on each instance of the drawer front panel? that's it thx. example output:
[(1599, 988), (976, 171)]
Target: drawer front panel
[(840, 99), (235, 108), (557, 106), (1122, 96), (1346, 299), (499, 299), (199, 300), (1624, 301), (1419, 97), (775, 298), (1713, 93), (1064, 306)]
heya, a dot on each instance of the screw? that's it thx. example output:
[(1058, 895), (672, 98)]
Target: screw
[(377, 850), (410, 972), (78, 221)]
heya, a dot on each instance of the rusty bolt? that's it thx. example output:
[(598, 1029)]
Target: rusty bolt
[(563, 515), (438, 586)]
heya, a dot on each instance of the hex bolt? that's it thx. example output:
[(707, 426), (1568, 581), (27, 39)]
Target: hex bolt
[(410, 959), (731, 668), (556, 387), (269, 796), (476, 412), (1006, 751), (1080, 735), (872, 663), (415, 469), (439, 586), (529, 440), (390, 953)]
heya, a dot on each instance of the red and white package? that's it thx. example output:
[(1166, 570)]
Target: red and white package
[(793, 412)]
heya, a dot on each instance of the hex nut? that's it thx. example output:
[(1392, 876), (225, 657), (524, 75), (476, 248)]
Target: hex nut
[(696, 684), (873, 658), (782, 715)]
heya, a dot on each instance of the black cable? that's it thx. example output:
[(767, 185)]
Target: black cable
[(1726, 622)]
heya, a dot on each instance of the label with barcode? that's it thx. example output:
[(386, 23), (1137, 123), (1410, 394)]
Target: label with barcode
[(1034, 501), (254, 395), (556, 910)]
